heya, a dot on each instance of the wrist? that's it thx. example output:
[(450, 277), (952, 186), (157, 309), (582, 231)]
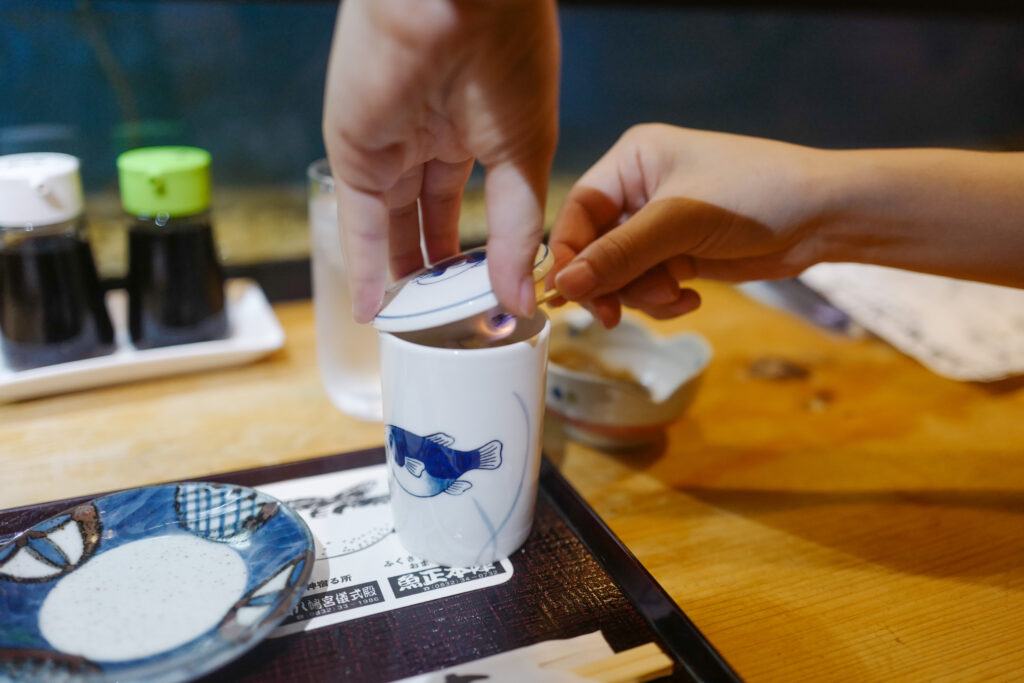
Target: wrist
[(847, 191)]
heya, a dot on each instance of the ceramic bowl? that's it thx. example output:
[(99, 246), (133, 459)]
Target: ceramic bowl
[(620, 387)]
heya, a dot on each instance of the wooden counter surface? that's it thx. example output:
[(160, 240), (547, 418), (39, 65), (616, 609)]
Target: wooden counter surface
[(864, 522)]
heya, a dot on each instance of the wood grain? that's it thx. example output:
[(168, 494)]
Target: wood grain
[(863, 522), (636, 665), (271, 411)]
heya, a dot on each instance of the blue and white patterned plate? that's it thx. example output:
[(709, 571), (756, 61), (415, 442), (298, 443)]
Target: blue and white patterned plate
[(162, 583)]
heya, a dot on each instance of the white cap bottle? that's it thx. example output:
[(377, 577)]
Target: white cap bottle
[(41, 188), (51, 300)]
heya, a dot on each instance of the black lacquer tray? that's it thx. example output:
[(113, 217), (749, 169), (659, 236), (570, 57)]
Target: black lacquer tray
[(572, 577)]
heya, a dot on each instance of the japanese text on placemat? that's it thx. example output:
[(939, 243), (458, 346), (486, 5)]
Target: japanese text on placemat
[(434, 578), (339, 600)]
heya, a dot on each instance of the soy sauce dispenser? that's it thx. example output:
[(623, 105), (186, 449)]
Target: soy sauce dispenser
[(51, 304), (175, 281)]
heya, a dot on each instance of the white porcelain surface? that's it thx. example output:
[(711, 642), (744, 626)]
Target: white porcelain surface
[(255, 332), (610, 412), (463, 442), (453, 289), (128, 603)]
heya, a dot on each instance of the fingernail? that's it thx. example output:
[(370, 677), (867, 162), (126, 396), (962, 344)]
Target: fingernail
[(527, 297), (659, 295), (692, 298), (576, 281), (608, 311), (364, 313), (361, 315)]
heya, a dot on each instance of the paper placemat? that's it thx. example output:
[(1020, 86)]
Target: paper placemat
[(361, 568), (963, 330)]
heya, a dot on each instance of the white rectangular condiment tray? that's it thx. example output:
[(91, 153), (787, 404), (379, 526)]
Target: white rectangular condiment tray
[(255, 332)]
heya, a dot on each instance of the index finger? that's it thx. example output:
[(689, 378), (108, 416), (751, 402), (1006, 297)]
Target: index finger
[(594, 205), (586, 214), (515, 222), (363, 218), (653, 235)]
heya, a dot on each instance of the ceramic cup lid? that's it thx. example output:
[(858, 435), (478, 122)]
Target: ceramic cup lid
[(454, 289)]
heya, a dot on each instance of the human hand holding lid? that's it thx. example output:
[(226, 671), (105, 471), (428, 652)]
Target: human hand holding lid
[(413, 98)]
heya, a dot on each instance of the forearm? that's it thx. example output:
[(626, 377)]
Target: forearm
[(947, 212)]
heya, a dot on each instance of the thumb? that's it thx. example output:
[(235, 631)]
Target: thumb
[(626, 252), (515, 198)]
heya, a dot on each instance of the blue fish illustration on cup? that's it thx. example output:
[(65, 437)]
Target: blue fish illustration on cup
[(426, 466)]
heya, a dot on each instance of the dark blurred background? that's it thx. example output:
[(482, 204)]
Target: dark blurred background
[(245, 80)]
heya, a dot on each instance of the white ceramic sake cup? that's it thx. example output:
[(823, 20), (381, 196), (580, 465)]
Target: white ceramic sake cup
[(463, 441)]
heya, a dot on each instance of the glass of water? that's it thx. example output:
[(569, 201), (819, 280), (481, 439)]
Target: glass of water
[(347, 352)]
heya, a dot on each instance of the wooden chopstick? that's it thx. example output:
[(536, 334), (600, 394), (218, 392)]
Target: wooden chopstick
[(547, 296), (644, 663)]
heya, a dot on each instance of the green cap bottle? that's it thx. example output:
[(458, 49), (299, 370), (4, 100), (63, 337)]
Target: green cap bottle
[(164, 180)]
